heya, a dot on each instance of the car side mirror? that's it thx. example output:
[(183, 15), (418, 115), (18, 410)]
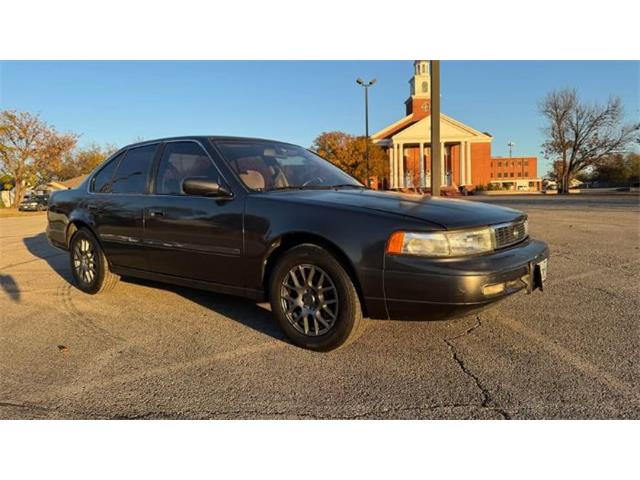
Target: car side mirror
[(204, 187)]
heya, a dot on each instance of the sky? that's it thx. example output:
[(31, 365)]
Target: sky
[(120, 102)]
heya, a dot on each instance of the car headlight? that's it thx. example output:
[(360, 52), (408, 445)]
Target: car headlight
[(441, 244)]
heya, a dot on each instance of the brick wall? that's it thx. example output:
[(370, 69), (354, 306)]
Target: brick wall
[(516, 167), (419, 107), (480, 163)]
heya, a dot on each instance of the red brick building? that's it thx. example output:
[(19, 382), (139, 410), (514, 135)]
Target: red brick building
[(466, 151), (517, 173)]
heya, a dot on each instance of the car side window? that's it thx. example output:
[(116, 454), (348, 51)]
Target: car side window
[(182, 160), (133, 171), (101, 182)]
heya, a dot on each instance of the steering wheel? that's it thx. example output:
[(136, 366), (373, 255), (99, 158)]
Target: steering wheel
[(311, 180)]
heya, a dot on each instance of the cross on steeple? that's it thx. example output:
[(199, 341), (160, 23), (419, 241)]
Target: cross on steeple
[(418, 103)]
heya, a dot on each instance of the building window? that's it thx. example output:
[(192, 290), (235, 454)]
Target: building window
[(512, 174), (526, 174), (526, 163), (491, 174), (499, 174), (500, 164)]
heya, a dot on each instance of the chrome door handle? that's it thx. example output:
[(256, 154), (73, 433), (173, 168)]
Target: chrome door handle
[(156, 213)]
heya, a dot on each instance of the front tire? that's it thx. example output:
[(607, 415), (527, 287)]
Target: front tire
[(89, 266), (314, 299)]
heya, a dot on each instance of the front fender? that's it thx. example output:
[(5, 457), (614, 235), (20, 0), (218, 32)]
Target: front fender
[(359, 235)]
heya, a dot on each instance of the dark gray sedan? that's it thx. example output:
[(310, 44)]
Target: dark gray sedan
[(273, 221)]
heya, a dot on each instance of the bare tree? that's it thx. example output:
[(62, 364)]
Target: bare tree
[(30, 149), (580, 134)]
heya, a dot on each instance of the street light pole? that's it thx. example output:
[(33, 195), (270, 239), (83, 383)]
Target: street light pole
[(436, 151), (366, 86)]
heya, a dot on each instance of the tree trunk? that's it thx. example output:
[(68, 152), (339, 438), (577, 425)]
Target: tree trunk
[(564, 188), (18, 193)]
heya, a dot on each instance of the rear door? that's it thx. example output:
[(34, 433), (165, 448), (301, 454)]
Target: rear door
[(190, 236), (119, 205)]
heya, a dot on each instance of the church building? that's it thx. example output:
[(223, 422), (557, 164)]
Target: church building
[(466, 152)]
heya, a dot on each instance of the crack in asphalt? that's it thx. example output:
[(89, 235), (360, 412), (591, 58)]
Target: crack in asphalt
[(58, 412), (23, 405), (253, 413), (487, 400)]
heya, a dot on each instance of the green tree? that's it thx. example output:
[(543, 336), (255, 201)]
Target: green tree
[(618, 168)]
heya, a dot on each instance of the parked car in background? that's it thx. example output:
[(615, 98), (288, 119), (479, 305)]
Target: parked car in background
[(34, 203), (273, 221)]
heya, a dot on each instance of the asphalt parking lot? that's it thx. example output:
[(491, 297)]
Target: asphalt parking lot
[(147, 350)]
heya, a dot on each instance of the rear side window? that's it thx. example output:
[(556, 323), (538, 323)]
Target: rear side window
[(101, 182), (133, 171), (182, 160)]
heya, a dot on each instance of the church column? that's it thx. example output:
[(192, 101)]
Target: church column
[(463, 163), (390, 153), (392, 166), (443, 164), (401, 182), (421, 156), (396, 167), (468, 158)]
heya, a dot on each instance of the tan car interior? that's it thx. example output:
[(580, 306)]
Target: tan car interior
[(257, 175)]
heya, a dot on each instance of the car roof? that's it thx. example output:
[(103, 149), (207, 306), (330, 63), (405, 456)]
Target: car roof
[(202, 138)]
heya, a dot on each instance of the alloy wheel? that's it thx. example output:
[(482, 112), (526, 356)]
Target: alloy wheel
[(309, 299), (84, 261)]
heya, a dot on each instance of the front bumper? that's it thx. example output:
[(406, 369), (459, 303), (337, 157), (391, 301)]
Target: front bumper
[(28, 208), (422, 288)]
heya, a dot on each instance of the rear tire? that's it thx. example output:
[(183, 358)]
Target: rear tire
[(314, 299), (89, 266)]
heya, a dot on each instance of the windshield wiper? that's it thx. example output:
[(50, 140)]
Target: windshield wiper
[(313, 187), (347, 185), (292, 187)]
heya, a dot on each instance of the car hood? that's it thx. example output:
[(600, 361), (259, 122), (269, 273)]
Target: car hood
[(445, 212)]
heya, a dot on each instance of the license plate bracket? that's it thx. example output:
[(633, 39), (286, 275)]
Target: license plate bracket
[(537, 276)]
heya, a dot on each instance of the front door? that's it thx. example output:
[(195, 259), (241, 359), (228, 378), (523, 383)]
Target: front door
[(190, 236)]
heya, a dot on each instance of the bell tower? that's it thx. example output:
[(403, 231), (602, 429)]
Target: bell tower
[(418, 104)]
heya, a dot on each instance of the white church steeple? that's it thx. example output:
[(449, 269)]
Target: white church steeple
[(420, 82)]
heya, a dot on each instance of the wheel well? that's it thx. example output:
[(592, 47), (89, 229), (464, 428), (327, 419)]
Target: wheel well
[(290, 240), (73, 227)]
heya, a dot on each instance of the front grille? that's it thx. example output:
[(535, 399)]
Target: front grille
[(509, 233)]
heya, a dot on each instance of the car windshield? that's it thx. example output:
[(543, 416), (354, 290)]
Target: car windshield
[(266, 166)]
